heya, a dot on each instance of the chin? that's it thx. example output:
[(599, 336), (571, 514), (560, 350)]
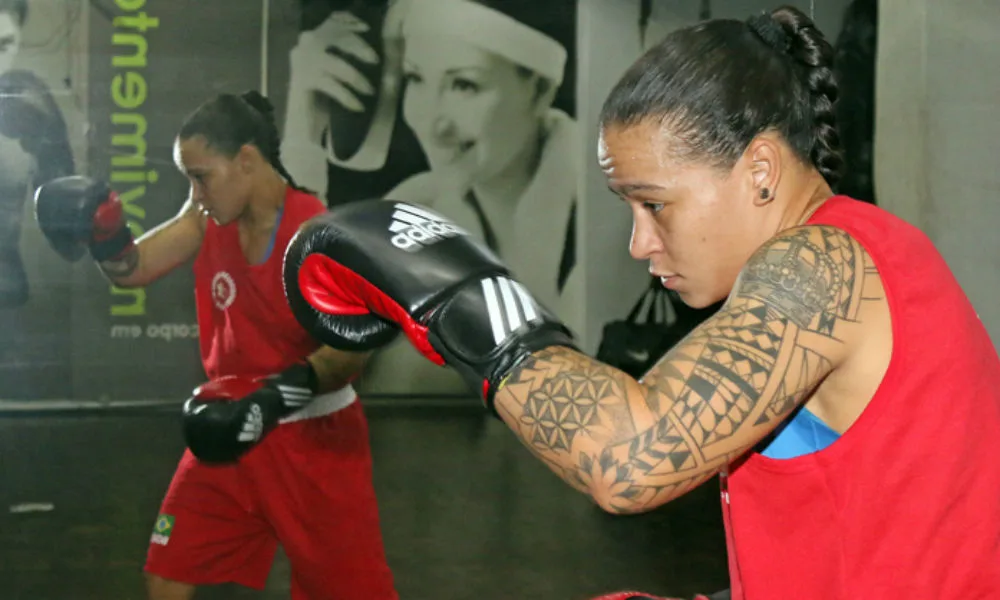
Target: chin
[(695, 300)]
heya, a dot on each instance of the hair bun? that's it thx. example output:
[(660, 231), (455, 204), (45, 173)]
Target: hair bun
[(770, 31), (259, 103)]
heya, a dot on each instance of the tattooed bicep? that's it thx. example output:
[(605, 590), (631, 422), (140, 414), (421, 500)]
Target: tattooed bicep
[(812, 276), (779, 334)]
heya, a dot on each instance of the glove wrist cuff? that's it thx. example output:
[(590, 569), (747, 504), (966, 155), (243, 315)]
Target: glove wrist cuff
[(297, 384), (500, 370), (114, 246), (303, 374)]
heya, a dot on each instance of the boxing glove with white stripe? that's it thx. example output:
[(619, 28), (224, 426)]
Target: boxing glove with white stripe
[(226, 417), (402, 263)]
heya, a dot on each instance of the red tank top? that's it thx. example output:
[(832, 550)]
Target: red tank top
[(905, 504), (244, 322)]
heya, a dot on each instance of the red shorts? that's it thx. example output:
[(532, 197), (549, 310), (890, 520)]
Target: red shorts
[(307, 486)]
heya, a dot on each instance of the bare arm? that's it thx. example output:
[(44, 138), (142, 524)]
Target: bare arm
[(336, 368), (159, 250), (635, 445)]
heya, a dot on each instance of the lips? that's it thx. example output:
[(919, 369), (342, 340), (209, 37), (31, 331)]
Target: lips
[(666, 278), (453, 153)]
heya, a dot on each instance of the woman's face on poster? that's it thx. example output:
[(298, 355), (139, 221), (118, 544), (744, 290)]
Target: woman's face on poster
[(471, 110), (10, 40)]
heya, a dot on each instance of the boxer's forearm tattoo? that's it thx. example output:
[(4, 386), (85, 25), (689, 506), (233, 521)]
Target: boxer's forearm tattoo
[(121, 267), (633, 444)]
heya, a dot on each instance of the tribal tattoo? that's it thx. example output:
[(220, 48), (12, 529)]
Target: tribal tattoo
[(633, 445)]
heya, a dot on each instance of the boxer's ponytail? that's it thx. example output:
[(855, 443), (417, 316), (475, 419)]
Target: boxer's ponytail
[(718, 84), (271, 148), (813, 55), (227, 122)]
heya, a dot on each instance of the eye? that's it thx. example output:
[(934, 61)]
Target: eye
[(652, 207), (410, 77), (467, 86)]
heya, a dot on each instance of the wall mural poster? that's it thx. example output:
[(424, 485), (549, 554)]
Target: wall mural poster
[(465, 106), (150, 64)]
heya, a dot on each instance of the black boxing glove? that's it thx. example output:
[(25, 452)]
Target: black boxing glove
[(77, 213), (226, 417), (394, 262)]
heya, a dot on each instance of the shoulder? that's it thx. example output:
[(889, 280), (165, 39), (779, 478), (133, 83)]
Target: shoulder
[(22, 79), (303, 205), (28, 86), (420, 188), (811, 275)]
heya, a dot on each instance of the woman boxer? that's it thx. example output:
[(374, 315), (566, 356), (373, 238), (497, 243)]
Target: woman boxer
[(278, 443), (844, 332)]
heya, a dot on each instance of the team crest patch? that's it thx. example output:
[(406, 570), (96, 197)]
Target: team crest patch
[(223, 290), (161, 529)]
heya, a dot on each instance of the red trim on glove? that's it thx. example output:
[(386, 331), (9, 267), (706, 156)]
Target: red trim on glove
[(108, 218), (331, 288), (230, 387)]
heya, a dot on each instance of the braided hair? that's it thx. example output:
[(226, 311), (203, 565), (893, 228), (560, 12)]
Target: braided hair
[(228, 122), (720, 83)]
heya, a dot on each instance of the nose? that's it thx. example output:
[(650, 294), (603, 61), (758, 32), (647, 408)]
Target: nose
[(645, 239), (443, 128), (196, 194)]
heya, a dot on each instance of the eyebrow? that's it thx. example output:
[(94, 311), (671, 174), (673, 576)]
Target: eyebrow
[(478, 68), (451, 70), (630, 188)]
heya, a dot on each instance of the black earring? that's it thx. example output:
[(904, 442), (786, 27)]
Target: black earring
[(765, 193)]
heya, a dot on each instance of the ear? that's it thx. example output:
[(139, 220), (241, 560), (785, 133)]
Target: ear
[(247, 158), (545, 94), (764, 154)]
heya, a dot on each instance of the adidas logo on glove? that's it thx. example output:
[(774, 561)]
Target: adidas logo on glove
[(253, 427), (413, 228)]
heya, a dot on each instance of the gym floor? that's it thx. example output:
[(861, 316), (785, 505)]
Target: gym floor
[(466, 512)]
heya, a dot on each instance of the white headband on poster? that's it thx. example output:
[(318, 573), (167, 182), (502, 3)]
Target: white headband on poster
[(489, 30)]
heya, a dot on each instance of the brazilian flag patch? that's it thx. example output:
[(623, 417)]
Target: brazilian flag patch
[(162, 529)]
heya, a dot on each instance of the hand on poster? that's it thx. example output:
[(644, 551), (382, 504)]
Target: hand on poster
[(320, 71)]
